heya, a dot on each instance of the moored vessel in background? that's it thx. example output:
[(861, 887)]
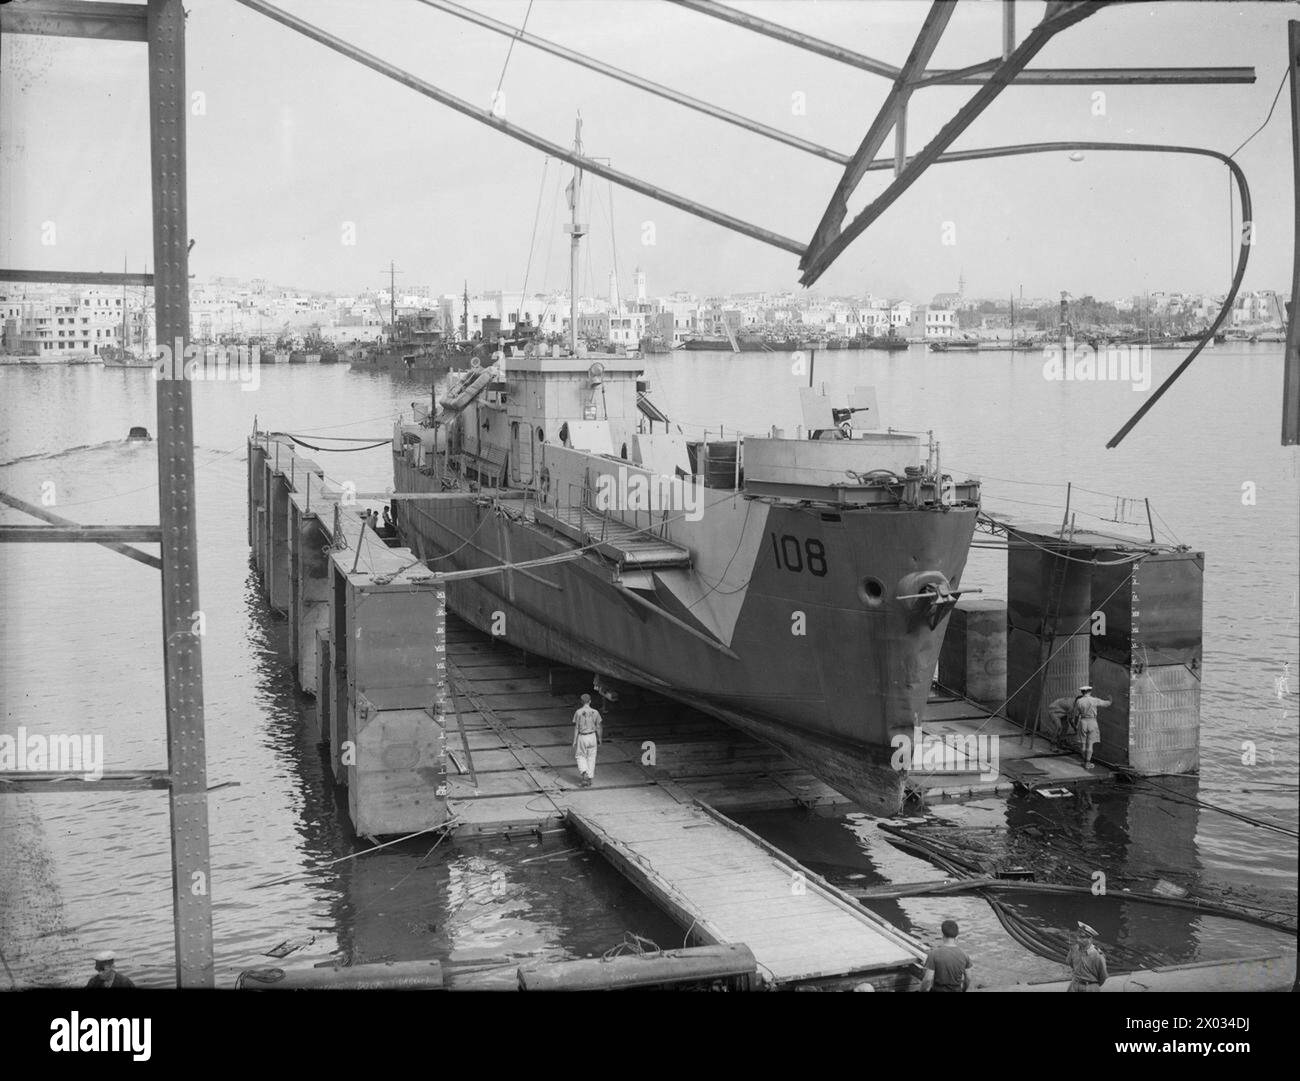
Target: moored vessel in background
[(955, 345), (890, 342)]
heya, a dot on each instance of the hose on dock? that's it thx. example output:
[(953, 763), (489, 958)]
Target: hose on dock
[(976, 885), (1036, 940)]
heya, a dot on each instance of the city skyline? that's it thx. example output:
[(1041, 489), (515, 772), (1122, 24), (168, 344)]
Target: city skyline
[(400, 178)]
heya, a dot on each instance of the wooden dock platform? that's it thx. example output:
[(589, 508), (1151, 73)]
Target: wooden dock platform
[(1023, 760), (662, 772)]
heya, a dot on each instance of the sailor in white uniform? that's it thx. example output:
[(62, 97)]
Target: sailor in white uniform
[(586, 738)]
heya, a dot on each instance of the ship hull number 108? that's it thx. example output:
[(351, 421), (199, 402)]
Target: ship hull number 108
[(793, 556)]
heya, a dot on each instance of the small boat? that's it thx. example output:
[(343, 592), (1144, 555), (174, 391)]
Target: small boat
[(889, 342), (712, 345), (124, 358), (955, 345)]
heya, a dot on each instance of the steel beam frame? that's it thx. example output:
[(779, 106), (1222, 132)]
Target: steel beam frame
[(892, 115), (183, 662), (160, 23), (659, 90), (54, 519), (74, 277), (80, 534), (40, 781), (978, 73), (75, 19), (554, 150), (830, 240), (791, 37)]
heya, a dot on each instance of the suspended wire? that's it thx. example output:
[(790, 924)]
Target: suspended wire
[(749, 504), (997, 713), (613, 246), (510, 52), (1262, 126), (541, 191), (1232, 235), (1003, 480), (1168, 529), (550, 249), (1182, 797)]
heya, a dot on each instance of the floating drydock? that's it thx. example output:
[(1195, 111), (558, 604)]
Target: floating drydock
[(427, 726), (430, 722)]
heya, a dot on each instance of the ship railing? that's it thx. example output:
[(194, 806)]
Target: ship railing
[(656, 521), (583, 503)]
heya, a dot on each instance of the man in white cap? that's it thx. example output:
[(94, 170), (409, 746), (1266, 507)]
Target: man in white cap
[(106, 973), (1087, 963), (586, 738), (1085, 708)]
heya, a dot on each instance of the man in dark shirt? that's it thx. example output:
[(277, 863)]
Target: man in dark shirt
[(1087, 963), (947, 968), (106, 973)]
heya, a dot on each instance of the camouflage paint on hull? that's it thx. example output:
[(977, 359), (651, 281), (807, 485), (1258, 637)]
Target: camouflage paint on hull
[(826, 666)]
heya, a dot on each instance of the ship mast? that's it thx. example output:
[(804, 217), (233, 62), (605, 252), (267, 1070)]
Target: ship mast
[(125, 333), (576, 231), (392, 301)]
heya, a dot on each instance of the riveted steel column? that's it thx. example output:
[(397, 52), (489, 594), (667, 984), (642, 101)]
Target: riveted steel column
[(186, 757)]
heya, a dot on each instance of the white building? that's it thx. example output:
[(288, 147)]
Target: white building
[(625, 329), (940, 323), (66, 328)]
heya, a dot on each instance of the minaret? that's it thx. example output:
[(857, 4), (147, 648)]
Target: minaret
[(613, 293), (640, 285)]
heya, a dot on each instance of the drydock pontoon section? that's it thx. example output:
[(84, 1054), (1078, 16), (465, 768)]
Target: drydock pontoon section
[(362, 619)]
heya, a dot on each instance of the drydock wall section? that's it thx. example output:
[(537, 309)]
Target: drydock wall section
[(360, 615), (1128, 622)]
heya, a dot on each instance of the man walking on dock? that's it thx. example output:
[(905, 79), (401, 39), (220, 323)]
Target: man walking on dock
[(1087, 963), (947, 968), (1089, 732), (587, 735)]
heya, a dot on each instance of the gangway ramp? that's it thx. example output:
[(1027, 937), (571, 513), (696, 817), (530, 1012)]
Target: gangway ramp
[(728, 885), (613, 538)]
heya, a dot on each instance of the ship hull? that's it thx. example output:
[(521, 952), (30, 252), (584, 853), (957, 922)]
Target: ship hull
[(811, 666)]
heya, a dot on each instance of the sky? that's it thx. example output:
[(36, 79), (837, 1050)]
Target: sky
[(308, 169)]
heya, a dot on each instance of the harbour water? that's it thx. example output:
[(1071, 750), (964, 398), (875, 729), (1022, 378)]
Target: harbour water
[(80, 652)]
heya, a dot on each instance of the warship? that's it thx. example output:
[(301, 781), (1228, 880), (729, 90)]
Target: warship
[(793, 584)]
